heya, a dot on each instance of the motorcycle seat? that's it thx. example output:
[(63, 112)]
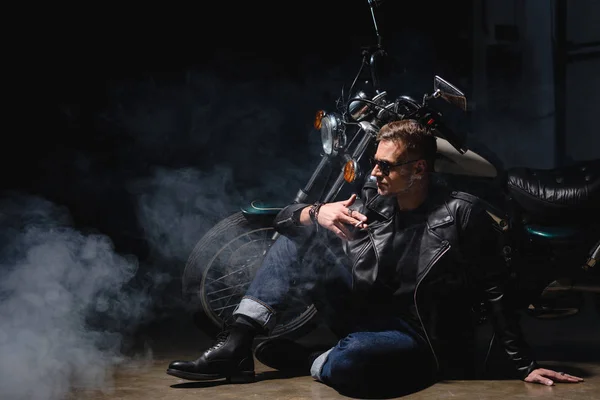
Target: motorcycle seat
[(567, 192)]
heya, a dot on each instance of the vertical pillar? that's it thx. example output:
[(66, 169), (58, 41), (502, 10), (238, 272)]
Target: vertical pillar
[(560, 80), (539, 99), (514, 81)]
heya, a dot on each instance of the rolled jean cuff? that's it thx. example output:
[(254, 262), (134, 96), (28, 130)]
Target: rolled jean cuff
[(257, 311), (317, 365)]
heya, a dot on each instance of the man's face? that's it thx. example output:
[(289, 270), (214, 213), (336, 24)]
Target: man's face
[(399, 178)]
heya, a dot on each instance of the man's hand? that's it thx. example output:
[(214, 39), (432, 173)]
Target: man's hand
[(548, 377), (337, 216)]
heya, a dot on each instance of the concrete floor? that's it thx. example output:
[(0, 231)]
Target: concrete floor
[(151, 382), (571, 345)]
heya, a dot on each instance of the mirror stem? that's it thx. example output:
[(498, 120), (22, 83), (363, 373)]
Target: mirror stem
[(379, 39)]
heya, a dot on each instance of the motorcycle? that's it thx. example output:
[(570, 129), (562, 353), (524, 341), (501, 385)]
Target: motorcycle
[(547, 218)]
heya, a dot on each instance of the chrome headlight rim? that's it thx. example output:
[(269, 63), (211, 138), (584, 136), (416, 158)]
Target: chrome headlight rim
[(332, 133)]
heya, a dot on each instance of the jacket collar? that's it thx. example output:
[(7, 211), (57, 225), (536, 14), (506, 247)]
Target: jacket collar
[(439, 211), (440, 214)]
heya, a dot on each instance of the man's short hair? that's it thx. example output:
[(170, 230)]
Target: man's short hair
[(418, 139)]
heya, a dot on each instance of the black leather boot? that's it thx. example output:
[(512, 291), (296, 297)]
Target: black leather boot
[(230, 357), (287, 356)]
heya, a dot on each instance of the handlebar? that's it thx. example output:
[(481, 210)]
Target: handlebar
[(371, 103)]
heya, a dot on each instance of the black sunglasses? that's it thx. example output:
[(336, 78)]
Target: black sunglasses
[(385, 167)]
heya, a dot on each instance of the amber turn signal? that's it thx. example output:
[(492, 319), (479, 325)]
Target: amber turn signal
[(350, 171), (318, 118)]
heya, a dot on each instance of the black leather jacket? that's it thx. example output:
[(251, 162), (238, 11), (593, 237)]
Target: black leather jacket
[(459, 266)]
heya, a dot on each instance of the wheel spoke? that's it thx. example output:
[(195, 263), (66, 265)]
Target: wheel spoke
[(229, 274), (246, 265), (228, 296), (228, 301), (223, 308), (231, 269), (227, 288)]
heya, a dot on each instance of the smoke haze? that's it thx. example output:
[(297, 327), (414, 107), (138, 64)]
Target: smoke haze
[(53, 279)]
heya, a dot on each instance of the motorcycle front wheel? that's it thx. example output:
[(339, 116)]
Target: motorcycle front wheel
[(221, 267)]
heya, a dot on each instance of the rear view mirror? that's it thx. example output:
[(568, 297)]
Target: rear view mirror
[(449, 92)]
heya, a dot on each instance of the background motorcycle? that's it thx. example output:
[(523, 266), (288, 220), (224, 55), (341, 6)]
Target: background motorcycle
[(545, 217)]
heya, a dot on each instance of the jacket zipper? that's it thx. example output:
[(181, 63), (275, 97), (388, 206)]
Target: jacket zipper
[(433, 261), (362, 252)]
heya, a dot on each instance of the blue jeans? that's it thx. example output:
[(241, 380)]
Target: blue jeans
[(374, 354)]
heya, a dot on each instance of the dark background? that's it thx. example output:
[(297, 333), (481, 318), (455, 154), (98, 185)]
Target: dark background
[(106, 98), (128, 133)]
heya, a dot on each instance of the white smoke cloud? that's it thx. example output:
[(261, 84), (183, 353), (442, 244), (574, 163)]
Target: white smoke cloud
[(55, 283), (176, 206)]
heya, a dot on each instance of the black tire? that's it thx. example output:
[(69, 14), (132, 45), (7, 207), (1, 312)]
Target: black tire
[(232, 243)]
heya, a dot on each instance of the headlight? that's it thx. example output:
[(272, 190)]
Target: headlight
[(332, 133)]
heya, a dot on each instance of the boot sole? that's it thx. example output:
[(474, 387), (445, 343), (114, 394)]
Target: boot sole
[(239, 377)]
